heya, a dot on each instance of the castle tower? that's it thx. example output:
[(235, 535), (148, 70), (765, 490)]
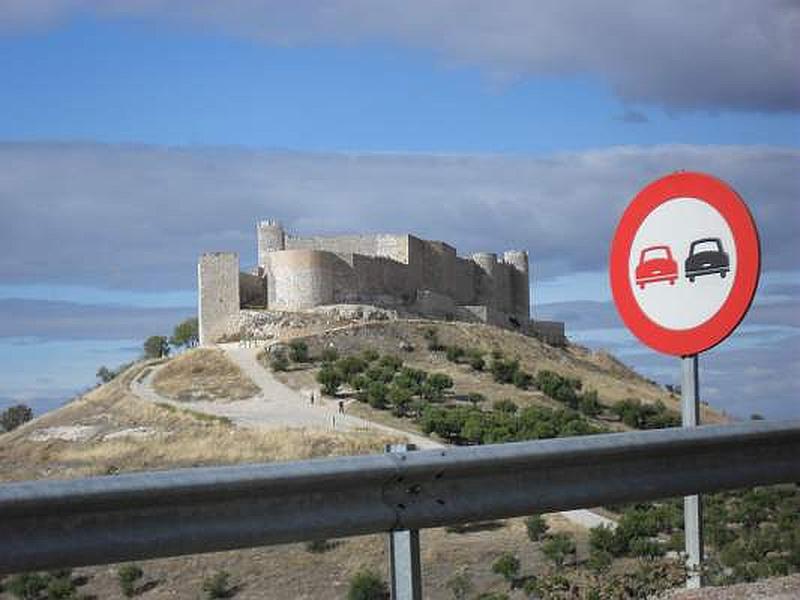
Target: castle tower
[(217, 293), (271, 238), (487, 262), (520, 282)]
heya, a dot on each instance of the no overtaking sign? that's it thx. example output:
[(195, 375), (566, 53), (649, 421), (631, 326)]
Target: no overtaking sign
[(685, 263)]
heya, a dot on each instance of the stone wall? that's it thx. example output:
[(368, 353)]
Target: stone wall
[(218, 293)]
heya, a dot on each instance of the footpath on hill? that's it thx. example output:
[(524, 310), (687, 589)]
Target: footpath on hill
[(278, 406)]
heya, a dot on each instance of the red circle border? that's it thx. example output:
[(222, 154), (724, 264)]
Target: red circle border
[(685, 342)]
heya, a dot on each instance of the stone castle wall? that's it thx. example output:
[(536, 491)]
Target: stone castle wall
[(400, 272)]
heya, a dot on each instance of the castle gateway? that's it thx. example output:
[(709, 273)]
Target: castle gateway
[(403, 273)]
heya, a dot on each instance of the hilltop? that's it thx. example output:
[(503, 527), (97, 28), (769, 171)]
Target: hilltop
[(116, 428)]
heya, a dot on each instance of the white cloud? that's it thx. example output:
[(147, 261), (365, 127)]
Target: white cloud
[(680, 54), (136, 217)]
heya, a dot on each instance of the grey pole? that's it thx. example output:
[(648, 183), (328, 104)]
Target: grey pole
[(692, 508), (404, 553)]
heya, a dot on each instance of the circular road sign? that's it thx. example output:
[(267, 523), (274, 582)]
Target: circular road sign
[(685, 262)]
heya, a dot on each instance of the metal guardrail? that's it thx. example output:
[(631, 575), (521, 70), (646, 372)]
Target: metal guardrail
[(48, 524)]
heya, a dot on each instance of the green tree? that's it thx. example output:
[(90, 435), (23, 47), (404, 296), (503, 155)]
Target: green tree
[(105, 374), (367, 585), (599, 560), (330, 379), (507, 565), (558, 547), (14, 416), (218, 586), (376, 394), (127, 576), (505, 406), (156, 346), (186, 334), (278, 360), (537, 527), (298, 351), (460, 585), (28, 586)]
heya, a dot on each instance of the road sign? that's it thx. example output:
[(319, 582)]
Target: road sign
[(685, 262)]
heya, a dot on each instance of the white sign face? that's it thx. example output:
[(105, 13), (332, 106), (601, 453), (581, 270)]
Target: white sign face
[(682, 263)]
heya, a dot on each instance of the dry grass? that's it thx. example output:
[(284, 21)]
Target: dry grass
[(203, 374)]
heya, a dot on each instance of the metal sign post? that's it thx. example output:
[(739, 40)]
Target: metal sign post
[(692, 507), (405, 565)]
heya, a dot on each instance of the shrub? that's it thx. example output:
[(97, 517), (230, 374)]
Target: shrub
[(460, 585), (393, 363), (127, 576), (477, 362), (646, 548), (603, 539), (505, 406), (454, 353), (14, 416), (27, 586), (522, 380), (400, 398), (600, 561), (350, 366), (475, 398), (376, 394), (218, 586), (61, 587), (330, 379), (558, 547), (298, 351), (367, 585), (320, 546), (156, 346), (537, 527), (503, 370), (279, 361), (186, 333), (589, 404), (369, 355), (329, 354), (507, 565)]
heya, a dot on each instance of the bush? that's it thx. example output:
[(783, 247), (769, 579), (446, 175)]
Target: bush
[(507, 565), (329, 354), (558, 547), (61, 586), (330, 379), (320, 546), (454, 353), (14, 416), (278, 361), (537, 527), (475, 398), (390, 362), (367, 585), (477, 362), (369, 355), (186, 333), (156, 346), (376, 394), (218, 586), (505, 406), (646, 548), (400, 398), (589, 404), (127, 576), (350, 366), (522, 380), (600, 561), (298, 351), (603, 539), (28, 586), (503, 370), (460, 585)]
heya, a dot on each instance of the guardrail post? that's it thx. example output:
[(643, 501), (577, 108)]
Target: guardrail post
[(405, 566), (692, 507)]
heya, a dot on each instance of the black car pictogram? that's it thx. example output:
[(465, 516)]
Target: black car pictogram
[(706, 257)]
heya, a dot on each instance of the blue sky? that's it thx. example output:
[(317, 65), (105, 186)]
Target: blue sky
[(134, 136)]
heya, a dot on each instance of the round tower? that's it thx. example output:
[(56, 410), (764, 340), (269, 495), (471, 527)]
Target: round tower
[(271, 238), (487, 262), (520, 282)]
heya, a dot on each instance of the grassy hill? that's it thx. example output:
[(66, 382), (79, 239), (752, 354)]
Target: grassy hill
[(110, 430)]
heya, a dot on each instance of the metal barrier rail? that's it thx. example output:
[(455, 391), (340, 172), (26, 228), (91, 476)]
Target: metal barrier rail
[(48, 524)]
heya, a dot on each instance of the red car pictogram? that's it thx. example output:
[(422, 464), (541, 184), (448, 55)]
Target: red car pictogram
[(656, 264)]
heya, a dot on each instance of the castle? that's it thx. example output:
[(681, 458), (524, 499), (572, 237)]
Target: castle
[(400, 272)]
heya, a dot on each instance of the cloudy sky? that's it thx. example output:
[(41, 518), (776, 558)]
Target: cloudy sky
[(135, 135)]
